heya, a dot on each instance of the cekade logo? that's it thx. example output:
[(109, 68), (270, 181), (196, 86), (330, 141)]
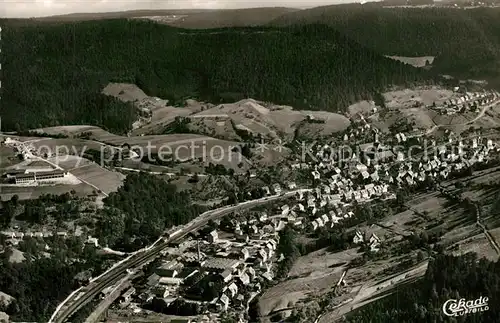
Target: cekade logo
[(453, 307)]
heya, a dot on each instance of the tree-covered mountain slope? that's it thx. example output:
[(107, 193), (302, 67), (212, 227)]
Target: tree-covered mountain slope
[(53, 74)]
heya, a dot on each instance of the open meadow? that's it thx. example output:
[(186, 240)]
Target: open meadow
[(8, 157), (181, 145), (64, 146), (311, 276), (34, 192)]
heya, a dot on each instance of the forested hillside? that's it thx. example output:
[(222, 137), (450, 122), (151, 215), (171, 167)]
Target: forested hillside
[(53, 74), (447, 277), (466, 42), (140, 211)]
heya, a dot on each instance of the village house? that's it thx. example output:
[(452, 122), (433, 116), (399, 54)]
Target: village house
[(127, 297), (358, 238), (227, 275), (213, 236), (277, 188), (223, 303)]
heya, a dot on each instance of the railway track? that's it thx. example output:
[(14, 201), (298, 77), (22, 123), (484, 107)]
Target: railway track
[(116, 274)]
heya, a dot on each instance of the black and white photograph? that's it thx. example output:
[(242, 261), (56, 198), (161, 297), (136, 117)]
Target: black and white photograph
[(230, 161)]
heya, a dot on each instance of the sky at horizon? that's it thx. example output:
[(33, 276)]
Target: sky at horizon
[(41, 8)]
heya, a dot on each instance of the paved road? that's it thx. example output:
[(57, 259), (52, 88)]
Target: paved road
[(85, 294)]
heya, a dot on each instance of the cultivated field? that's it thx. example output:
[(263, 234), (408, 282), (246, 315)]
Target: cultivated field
[(161, 117), (255, 117), (64, 146), (478, 244), (105, 180), (311, 276), (98, 134), (408, 97), (69, 162), (184, 147), (371, 290), (162, 114), (272, 121)]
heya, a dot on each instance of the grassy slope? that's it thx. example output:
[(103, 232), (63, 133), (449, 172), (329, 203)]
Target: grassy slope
[(231, 18)]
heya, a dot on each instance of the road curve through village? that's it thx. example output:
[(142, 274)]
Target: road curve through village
[(85, 294), (479, 116)]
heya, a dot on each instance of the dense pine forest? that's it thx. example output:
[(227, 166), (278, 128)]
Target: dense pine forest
[(465, 42), (447, 277), (53, 73)]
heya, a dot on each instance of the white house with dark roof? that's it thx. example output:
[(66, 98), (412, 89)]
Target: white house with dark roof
[(314, 225), (213, 236), (262, 254), (223, 302), (244, 278), (358, 238)]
